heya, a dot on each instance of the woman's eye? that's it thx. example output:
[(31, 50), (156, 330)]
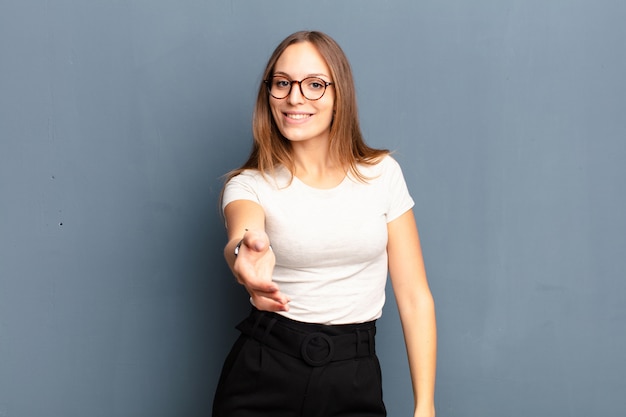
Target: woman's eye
[(282, 83), (316, 84)]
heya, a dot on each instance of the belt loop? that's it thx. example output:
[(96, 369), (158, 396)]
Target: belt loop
[(362, 343), (268, 329), (370, 334), (260, 315)]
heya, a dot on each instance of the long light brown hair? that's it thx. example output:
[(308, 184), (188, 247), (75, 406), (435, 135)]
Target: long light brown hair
[(346, 145)]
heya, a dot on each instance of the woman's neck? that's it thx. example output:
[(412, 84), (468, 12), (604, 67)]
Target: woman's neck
[(314, 167)]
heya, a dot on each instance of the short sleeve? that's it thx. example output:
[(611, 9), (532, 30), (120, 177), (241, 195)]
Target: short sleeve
[(400, 200), (240, 187)]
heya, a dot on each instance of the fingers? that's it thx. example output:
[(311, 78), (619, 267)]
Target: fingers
[(264, 288), (275, 296), (267, 296), (268, 304)]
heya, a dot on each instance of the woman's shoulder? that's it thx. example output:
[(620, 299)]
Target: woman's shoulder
[(243, 177), (254, 176), (382, 165)]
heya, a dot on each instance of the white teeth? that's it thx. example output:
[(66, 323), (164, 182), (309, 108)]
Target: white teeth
[(298, 116)]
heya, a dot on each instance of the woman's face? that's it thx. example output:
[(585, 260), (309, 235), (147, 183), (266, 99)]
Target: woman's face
[(298, 118)]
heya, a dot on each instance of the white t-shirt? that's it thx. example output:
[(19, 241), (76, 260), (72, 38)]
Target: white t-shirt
[(330, 244)]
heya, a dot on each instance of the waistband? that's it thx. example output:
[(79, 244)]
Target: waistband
[(315, 344)]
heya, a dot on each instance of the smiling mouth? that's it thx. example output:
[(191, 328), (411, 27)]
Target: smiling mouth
[(297, 116)]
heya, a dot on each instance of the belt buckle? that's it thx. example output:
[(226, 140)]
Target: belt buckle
[(305, 354)]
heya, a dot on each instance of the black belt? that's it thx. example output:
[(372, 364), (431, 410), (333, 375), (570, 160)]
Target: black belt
[(315, 344)]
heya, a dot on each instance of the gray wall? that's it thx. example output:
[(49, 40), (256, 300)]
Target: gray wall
[(117, 119)]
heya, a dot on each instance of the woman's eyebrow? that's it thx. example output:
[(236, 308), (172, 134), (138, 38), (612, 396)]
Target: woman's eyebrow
[(309, 75)]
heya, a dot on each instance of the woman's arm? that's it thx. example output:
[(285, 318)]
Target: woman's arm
[(416, 307), (254, 265)]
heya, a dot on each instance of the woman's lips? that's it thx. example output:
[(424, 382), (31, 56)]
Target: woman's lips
[(298, 115)]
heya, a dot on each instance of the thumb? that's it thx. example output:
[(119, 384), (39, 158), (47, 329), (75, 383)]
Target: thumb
[(256, 241)]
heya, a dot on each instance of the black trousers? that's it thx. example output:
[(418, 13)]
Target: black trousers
[(283, 368)]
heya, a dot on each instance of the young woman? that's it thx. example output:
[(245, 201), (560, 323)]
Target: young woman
[(316, 219)]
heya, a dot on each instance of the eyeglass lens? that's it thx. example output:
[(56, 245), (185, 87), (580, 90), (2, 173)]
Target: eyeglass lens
[(312, 88)]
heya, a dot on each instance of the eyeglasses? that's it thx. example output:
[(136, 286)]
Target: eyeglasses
[(312, 88)]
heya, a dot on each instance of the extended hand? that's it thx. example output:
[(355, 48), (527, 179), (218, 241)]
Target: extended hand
[(254, 267)]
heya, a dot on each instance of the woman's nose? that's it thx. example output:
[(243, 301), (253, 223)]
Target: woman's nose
[(295, 95)]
